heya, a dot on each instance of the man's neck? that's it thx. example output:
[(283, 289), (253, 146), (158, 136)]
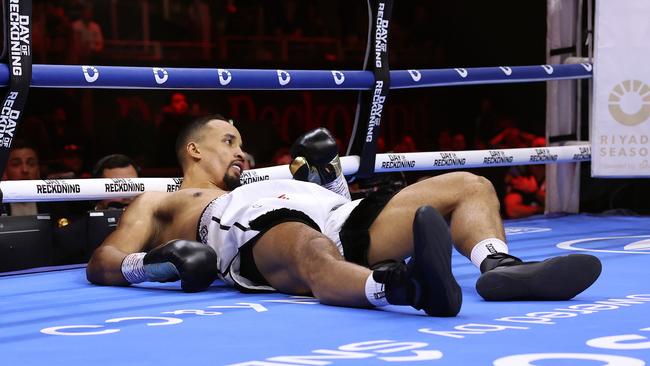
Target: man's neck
[(196, 178)]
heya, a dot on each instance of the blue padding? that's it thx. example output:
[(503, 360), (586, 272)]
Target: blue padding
[(123, 77), (259, 329)]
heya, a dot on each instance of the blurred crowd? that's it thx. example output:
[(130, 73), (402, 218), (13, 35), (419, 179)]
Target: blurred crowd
[(65, 133)]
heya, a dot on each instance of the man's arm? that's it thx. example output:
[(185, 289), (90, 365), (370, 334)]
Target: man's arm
[(135, 230)]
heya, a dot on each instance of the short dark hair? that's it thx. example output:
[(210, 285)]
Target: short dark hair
[(191, 129), (113, 161), (23, 144)]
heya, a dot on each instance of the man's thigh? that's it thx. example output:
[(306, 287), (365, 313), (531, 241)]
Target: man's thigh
[(286, 253), (391, 234)]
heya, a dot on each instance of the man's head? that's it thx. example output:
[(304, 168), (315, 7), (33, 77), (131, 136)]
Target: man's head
[(23, 161), (209, 150), (115, 166)]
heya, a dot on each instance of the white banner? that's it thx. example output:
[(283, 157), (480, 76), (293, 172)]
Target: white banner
[(620, 126)]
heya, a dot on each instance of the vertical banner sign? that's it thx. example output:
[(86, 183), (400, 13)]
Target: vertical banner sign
[(620, 126), (18, 23), (370, 103)]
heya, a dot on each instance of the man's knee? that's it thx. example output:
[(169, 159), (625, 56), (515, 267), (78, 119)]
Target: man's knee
[(472, 184), (317, 257)]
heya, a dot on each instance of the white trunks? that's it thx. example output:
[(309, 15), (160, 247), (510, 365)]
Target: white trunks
[(236, 218)]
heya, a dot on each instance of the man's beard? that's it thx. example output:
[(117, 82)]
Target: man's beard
[(231, 182)]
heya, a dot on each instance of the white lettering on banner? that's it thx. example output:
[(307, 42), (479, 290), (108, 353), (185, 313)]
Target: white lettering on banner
[(415, 75), (224, 76), (160, 75), (506, 70), (381, 35), (363, 350), (528, 359), (375, 110), (587, 66), (18, 37), (620, 124), (283, 77), (462, 72), (544, 318), (88, 70), (8, 119), (339, 77)]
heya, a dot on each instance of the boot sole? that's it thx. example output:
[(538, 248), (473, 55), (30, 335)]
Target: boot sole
[(560, 278)]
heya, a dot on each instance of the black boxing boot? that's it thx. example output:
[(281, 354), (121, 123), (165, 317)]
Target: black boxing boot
[(505, 277), (426, 282)]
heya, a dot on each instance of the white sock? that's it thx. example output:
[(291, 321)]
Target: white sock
[(486, 247), (375, 292)]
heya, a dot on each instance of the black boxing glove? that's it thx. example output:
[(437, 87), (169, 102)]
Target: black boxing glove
[(315, 159), (194, 263)]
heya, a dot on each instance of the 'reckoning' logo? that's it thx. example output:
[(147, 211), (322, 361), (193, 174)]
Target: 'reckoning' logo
[(632, 93)]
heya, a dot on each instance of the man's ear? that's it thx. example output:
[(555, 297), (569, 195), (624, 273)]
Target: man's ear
[(193, 150)]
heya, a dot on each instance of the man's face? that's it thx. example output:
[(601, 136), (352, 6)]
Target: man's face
[(220, 145), (123, 172), (23, 164)]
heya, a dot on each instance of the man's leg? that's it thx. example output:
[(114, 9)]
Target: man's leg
[(466, 200), (471, 205), (296, 259)]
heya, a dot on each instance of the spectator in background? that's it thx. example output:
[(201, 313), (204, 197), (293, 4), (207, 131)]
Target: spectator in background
[(510, 136), (23, 164), (526, 188), (88, 35), (115, 166)]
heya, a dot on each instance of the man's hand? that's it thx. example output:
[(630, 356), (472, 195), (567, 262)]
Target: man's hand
[(195, 264), (315, 159)]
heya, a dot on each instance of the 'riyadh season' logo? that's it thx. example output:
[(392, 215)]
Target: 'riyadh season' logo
[(632, 96)]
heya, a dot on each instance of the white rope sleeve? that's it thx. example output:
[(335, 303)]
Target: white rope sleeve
[(100, 189)]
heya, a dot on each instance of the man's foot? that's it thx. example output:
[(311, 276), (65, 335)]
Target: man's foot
[(426, 282), (560, 278)]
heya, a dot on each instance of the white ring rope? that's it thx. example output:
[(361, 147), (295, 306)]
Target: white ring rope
[(100, 189)]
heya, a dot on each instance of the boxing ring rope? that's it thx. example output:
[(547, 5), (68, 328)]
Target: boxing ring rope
[(123, 77), (98, 189)]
